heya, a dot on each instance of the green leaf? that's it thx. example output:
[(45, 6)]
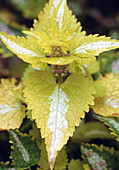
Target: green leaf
[(35, 132), (61, 160), (75, 165), (25, 150), (113, 124), (57, 109), (7, 166), (100, 157), (43, 162), (91, 130), (12, 112)]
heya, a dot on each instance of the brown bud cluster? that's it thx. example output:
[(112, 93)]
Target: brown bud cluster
[(57, 51), (58, 70)]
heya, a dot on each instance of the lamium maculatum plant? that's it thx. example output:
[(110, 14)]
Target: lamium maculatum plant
[(58, 90)]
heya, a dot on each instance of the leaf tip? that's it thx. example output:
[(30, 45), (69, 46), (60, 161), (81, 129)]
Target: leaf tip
[(52, 160)]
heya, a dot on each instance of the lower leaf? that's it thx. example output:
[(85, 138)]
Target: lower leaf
[(75, 165), (61, 160), (57, 109), (100, 157), (25, 151), (113, 124)]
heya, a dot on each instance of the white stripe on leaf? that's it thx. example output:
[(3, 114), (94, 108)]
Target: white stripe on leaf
[(57, 119), (95, 46), (56, 3), (5, 109), (17, 48), (60, 14), (23, 151)]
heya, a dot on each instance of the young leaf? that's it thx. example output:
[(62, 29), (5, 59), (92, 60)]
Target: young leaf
[(25, 150), (100, 157), (12, 111), (58, 39), (109, 104), (113, 124), (90, 130), (57, 108), (75, 165), (61, 160), (93, 66)]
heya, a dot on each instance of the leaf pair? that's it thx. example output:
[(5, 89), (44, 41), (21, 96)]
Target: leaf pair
[(57, 109)]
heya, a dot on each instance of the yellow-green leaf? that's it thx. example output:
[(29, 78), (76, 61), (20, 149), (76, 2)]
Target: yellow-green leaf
[(93, 66), (12, 111), (100, 89), (109, 104), (57, 109), (75, 165), (93, 44), (61, 160), (25, 48)]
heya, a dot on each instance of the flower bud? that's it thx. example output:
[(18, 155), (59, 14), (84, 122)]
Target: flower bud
[(59, 71)]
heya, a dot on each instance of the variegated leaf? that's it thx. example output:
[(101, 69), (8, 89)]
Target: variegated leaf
[(113, 124), (12, 111), (102, 157), (108, 105), (57, 109), (25, 150), (93, 44), (27, 49)]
